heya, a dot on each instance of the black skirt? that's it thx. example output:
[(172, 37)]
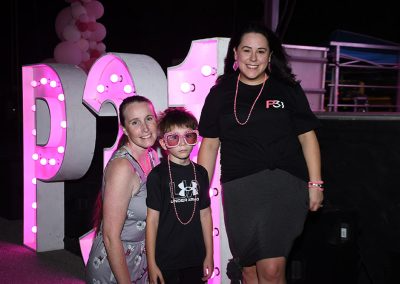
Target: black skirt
[(264, 213)]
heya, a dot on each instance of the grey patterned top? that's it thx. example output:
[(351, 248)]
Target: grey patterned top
[(133, 233)]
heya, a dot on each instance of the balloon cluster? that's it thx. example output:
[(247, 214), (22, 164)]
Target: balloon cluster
[(81, 36)]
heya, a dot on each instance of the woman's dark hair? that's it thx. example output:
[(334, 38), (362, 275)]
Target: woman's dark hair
[(279, 67), (98, 206), (175, 116)]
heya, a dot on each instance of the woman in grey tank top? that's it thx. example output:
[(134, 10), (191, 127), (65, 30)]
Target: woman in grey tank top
[(118, 251)]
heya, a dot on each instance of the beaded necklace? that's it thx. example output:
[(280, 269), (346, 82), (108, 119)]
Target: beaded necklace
[(171, 190), (254, 103)]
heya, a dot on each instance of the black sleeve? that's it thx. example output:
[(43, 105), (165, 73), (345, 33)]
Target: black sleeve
[(204, 188), (304, 119), (208, 123), (153, 185)]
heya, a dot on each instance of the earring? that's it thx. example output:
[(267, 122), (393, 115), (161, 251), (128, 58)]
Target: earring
[(269, 63), (235, 65)]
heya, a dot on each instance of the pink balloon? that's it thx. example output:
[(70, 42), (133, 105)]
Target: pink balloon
[(81, 26), (94, 53), (84, 18), (99, 34), (92, 44), (71, 33), (86, 34), (101, 47), (77, 10), (63, 18), (95, 9), (83, 44), (67, 52), (85, 56), (92, 26), (89, 63)]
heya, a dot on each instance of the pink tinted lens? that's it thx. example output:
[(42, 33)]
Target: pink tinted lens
[(191, 138), (172, 140)]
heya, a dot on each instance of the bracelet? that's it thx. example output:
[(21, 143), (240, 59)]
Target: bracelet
[(316, 182), (316, 185), (320, 188)]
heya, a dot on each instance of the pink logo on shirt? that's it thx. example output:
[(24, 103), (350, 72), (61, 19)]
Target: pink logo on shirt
[(274, 104)]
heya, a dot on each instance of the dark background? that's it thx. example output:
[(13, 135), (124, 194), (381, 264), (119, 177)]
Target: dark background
[(359, 165)]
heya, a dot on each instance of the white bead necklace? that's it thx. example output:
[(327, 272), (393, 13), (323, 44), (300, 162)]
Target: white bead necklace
[(254, 103), (171, 189)]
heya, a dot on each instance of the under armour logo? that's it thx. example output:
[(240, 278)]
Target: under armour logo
[(187, 190)]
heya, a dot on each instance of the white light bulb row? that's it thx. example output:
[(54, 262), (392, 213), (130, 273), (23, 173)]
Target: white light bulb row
[(44, 81), (114, 78), (206, 71)]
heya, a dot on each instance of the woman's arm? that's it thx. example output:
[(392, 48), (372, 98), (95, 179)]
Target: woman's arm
[(119, 182), (208, 154), (207, 228), (152, 219), (311, 152)]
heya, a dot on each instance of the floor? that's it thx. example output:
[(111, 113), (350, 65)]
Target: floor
[(18, 264)]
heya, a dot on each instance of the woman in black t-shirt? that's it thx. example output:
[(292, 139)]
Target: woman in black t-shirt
[(270, 159)]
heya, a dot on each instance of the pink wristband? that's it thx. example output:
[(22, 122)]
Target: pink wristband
[(316, 186)]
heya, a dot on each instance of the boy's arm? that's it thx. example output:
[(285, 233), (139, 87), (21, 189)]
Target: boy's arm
[(151, 235), (206, 225)]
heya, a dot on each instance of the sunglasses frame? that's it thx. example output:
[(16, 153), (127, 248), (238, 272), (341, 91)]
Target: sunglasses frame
[(181, 137)]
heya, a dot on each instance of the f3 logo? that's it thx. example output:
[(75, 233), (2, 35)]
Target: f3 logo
[(274, 104)]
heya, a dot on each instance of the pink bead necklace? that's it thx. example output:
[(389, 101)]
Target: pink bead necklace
[(171, 190), (254, 103)]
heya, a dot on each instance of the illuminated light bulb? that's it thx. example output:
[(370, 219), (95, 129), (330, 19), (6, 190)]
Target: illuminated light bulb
[(215, 232), (100, 88), (34, 132), (128, 89), (43, 161), (60, 149), (63, 124), (186, 87), (34, 181), (53, 84), (61, 97), (35, 156), (207, 70), (43, 81), (34, 205), (34, 83), (34, 229), (33, 108), (52, 161), (115, 78), (213, 192)]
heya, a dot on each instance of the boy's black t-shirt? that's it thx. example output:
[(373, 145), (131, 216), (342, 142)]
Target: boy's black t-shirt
[(177, 245), (269, 140)]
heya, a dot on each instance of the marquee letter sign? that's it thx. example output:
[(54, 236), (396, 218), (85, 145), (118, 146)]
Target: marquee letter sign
[(59, 127)]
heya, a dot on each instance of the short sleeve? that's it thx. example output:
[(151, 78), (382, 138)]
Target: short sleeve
[(153, 185), (209, 120), (304, 119)]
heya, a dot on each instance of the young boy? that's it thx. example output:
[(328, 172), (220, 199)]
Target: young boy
[(179, 240)]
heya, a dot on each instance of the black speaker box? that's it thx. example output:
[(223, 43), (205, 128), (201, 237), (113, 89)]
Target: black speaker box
[(355, 237)]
